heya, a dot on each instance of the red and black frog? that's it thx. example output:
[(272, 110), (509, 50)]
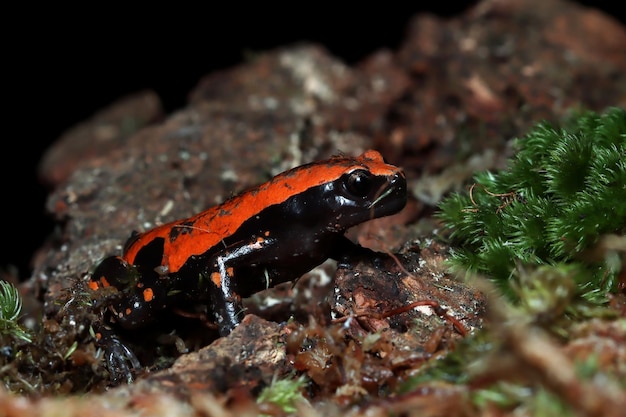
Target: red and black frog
[(269, 234)]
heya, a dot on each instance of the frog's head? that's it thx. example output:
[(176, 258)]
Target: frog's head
[(368, 189), (343, 192)]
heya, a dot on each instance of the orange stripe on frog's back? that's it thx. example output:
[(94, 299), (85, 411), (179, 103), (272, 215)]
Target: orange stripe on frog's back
[(197, 234)]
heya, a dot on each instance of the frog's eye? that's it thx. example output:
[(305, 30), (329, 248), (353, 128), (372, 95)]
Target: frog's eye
[(359, 183)]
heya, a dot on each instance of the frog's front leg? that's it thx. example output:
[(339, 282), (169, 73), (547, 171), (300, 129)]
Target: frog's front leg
[(226, 304)]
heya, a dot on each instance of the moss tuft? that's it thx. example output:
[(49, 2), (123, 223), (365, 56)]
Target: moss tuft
[(564, 189)]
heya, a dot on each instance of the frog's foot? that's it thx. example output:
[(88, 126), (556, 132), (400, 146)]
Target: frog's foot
[(348, 254), (119, 360)]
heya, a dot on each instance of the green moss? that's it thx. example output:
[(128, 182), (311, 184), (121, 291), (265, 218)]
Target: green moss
[(549, 231), (522, 399), (453, 367), (285, 393), (10, 307), (564, 188)]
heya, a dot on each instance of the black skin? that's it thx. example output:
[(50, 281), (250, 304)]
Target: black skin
[(304, 231)]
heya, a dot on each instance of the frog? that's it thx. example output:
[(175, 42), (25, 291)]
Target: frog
[(266, 235)]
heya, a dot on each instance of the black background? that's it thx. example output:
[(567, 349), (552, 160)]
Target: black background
[(61, 66)]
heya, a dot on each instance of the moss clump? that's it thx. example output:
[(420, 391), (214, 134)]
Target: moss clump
[(564, 188), (10, 307), (284, 393)]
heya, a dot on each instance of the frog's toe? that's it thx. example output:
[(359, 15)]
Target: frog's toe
[(119, 359)]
